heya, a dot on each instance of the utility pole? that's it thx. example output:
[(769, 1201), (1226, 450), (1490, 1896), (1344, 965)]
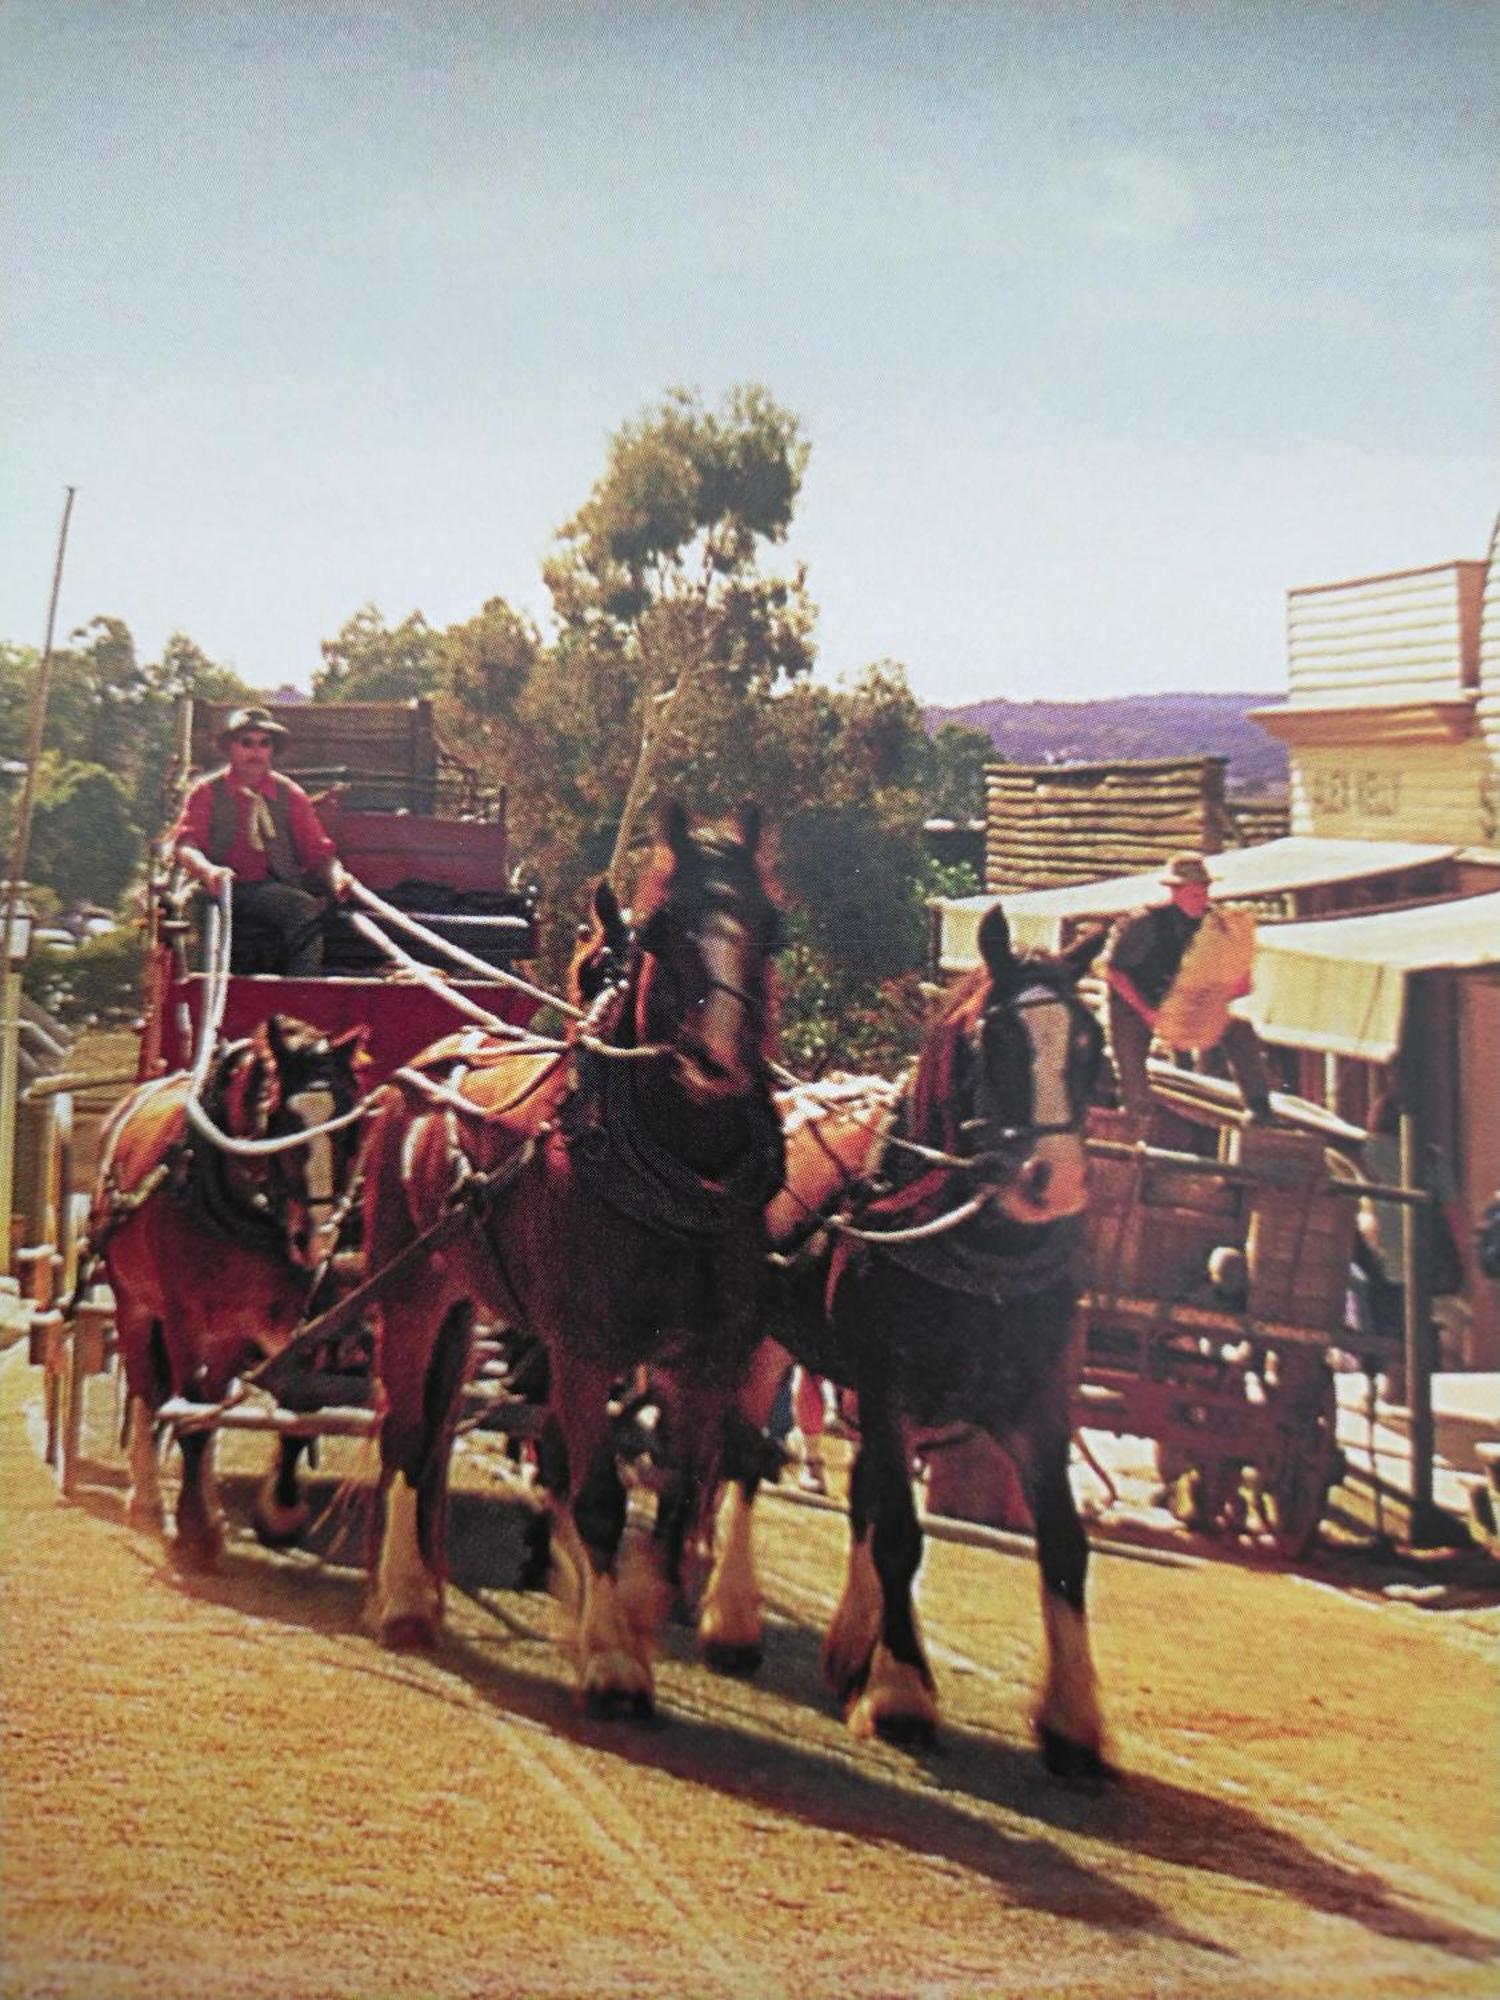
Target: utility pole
[(17, 926)]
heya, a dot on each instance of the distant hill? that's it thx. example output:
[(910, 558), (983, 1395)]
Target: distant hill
[(1137, 725)]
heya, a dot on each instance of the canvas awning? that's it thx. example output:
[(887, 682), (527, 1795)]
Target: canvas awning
[(1339, 985), (1274, 868)]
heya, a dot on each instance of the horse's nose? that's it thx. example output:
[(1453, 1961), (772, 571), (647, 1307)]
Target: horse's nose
[(1035, 1178)]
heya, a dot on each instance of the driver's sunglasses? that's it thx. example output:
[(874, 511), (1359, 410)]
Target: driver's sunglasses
[(254, 742)]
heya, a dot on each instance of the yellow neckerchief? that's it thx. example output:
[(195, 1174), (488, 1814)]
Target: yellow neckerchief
[(260, 827)]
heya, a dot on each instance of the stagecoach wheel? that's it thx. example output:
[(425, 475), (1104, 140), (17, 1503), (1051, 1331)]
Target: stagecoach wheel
[(73, 1383), (54, 1386), (62, 1201), (1206, 1497), (1305, 1463)]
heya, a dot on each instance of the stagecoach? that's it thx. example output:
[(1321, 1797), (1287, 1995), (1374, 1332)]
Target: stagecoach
[(436, 937)]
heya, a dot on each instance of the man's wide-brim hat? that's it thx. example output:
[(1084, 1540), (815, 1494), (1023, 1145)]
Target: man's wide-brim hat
[(1185, 868), (241, 720)]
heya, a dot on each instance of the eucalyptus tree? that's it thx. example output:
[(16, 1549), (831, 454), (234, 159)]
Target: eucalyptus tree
[(659, 588)]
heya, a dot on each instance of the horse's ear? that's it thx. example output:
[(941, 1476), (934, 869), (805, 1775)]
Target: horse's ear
[(994, 942), (276, 1038), (750, 827), (611, 920), (674, 827), (1081, 954)]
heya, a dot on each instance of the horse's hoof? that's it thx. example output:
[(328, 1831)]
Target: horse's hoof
[(408, 1632), (280, 1530), (737, 1658), (904, 1728), (616, 1686), (196, 1555), (619, 1704), (1080, 1764), (147, 1516)]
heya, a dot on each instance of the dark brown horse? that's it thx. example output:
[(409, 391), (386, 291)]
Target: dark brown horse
[(937, 1328), (606, 1199), (210, 1250)]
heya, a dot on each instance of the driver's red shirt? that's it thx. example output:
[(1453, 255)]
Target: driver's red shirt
[(249, 863)]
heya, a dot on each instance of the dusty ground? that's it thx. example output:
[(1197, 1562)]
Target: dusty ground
[(226, 1788)]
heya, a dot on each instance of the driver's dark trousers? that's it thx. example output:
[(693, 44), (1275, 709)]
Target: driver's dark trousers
[(1130, 1040), (292, 917)]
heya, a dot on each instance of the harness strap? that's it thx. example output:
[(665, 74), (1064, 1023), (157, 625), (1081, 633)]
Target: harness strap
[(468, 1194)]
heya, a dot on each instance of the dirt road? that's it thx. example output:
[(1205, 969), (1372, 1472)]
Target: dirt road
[(227, 1788)]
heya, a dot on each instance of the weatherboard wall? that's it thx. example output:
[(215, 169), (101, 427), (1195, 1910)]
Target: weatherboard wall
[(1392, 718)]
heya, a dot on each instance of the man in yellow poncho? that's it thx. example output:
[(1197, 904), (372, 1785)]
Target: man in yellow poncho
[(1173, 970)]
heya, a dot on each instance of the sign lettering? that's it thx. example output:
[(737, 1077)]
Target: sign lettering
[(1371, 794)]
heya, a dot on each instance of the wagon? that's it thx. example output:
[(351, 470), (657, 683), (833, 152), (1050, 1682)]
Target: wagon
[(429, 845), (1216, 1305)]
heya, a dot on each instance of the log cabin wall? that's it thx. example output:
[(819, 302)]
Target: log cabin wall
[(1049, 825), (1255, 821)]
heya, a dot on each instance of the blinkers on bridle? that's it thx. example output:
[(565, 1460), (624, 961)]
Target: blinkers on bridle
[(679, 946), (1002, 1058)]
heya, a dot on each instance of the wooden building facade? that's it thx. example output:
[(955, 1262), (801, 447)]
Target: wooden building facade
[(1392, 729)]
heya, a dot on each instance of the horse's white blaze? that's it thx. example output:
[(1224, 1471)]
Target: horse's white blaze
[(724, 942), (1070, 1696), (313, 1108), (855, 1624), (730, 1612), (143, 1502), (1063, 1188), (404, 1586)]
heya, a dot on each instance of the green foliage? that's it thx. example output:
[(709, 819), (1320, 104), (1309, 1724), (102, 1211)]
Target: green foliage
[(113, 690), (828, 1018), (83, 842), (98, 981), (370, 661), (184, 671), (948, 878), (108, 713), (958, 756), (488, 662), (18, 671)]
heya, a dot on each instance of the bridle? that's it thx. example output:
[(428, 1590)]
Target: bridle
[(271, 1191), (666, 937), (1004, 1137)]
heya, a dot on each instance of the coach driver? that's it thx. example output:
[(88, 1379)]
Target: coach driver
[(259, 831)]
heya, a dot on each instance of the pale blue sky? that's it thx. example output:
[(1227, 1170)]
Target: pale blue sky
[(1107, 323)]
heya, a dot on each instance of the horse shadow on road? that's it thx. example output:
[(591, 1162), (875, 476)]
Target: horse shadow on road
[(980, 1803)]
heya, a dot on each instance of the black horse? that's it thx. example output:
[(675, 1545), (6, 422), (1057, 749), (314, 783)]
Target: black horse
[(946, 1299)]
